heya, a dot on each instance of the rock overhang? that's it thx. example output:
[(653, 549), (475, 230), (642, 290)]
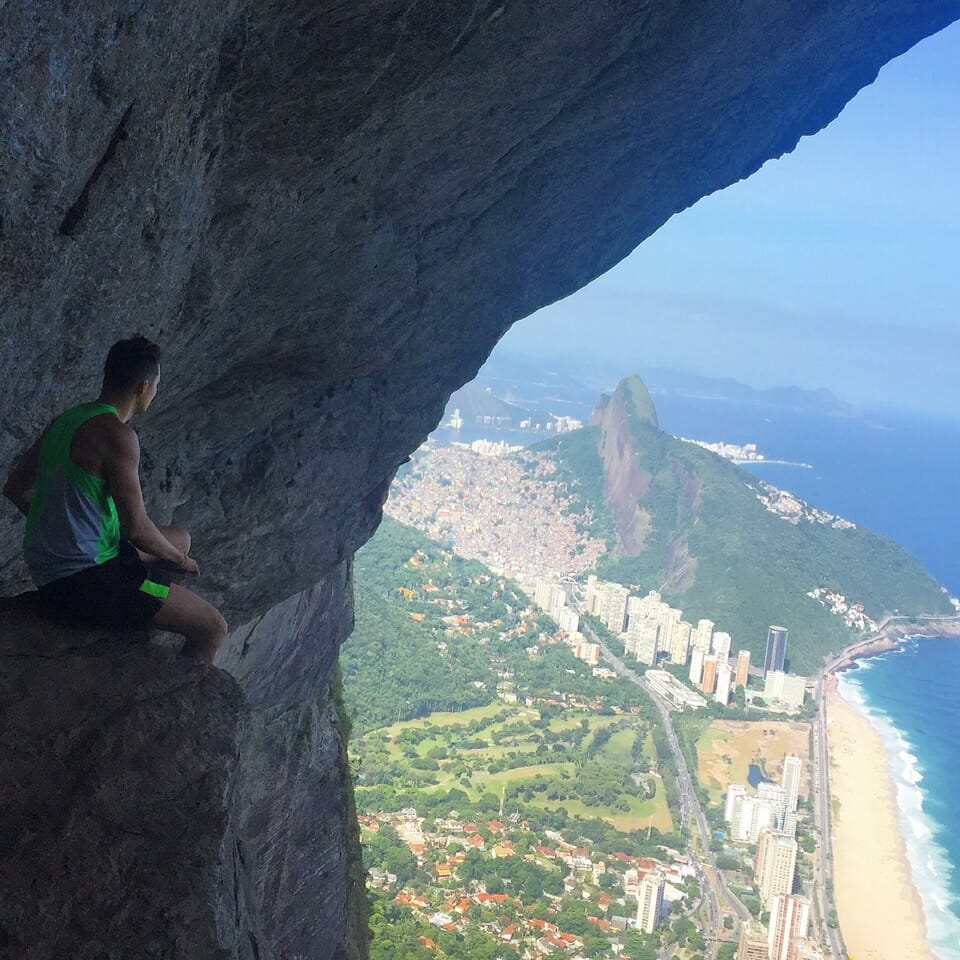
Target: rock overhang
[(328, 214)]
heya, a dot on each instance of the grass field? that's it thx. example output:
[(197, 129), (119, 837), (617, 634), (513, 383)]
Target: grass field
[(494, 723), (726, 749)]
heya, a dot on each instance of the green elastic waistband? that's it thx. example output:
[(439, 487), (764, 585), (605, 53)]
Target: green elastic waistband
[(158, 590)]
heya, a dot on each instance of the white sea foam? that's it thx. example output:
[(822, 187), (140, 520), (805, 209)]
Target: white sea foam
[(930, 867)]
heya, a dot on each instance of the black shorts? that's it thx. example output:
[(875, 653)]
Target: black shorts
[(123, 592)]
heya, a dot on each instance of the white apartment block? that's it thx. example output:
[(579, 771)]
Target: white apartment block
[(680, 642), (721, 643), (703, 636), (792, 769), (724, 676), (696, 665), (775, 864), (650, 901)]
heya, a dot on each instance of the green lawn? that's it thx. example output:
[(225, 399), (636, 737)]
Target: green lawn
[(619, 748), (643, 813)]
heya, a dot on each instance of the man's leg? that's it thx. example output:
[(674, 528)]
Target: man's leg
[(192, 617), (178, 536)]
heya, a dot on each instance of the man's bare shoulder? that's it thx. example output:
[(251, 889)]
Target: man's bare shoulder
[(103, 442)]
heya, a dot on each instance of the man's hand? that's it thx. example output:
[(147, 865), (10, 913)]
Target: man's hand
[(189, 565)]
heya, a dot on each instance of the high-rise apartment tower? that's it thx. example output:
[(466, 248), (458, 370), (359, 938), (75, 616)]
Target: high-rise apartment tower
[(776, 653)]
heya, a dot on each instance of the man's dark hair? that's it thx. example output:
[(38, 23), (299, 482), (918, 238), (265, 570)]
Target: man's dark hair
[(130, 362)]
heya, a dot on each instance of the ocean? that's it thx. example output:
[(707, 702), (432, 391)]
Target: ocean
[(910, 697), (894, 473)]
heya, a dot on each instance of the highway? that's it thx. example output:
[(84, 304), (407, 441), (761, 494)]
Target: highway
[(822, 817), (711, 880)]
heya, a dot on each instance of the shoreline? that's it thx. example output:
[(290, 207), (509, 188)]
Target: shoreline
[(878, 905), (888, 638)]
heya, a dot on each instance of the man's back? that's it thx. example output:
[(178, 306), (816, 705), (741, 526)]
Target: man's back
[(73, 522)]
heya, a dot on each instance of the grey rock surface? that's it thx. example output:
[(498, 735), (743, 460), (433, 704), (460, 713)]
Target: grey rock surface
[(328, 213), (120, 801)]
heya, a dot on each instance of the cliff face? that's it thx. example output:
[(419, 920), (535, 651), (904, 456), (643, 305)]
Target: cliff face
[(328, 214)]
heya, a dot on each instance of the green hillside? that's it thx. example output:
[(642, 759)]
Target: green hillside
[(435, 631), (714, 550)]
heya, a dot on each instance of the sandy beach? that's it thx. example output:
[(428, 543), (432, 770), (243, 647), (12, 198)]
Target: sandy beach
[(880, 913)]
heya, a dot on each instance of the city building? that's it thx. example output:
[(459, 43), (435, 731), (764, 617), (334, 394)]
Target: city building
[(789, 923), (724, 675), (776, 652), (792, 768), (735, 794), (680, 642), (743, 669), (807, 950), (696, 665), (703, 635), (648, 642), (589, 652), (613, 607), (650, 901), (722, 642), (753, 942), (753, 815), (775, 864), (708, 681), (780, 687), (673, 691), (568, 621)]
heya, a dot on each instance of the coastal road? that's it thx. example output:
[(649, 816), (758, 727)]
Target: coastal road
[(822, 860), (711, 879)]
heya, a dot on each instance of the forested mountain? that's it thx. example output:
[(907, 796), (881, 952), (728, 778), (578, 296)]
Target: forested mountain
[(681, 520)]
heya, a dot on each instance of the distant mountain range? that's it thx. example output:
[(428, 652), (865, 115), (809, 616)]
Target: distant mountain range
[(570, 388), (681, 520)]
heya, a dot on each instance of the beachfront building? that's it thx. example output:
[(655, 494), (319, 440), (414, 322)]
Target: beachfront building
[(776, 652), (743, 669), (807, 950), (650, 901), (792, 768), (780, 687), (789, 923), (753, 942), (775, 864)]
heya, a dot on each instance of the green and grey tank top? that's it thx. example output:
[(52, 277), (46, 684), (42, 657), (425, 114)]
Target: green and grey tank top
[(72, 523)]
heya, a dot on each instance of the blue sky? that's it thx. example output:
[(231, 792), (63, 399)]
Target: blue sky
[(835, 266)]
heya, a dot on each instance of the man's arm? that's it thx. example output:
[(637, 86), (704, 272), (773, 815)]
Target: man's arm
[(122, 473), (19, 486)]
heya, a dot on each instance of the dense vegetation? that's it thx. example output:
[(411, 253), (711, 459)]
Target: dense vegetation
[(715, 551), (433, 632)]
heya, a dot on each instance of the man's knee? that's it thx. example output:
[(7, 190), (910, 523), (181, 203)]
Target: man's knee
[(180, 537), (218, 628)]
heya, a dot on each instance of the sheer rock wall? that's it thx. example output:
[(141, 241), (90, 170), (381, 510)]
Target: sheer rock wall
[(328, 213)]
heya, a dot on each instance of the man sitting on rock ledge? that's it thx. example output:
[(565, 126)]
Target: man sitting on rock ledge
[(93, 553)]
